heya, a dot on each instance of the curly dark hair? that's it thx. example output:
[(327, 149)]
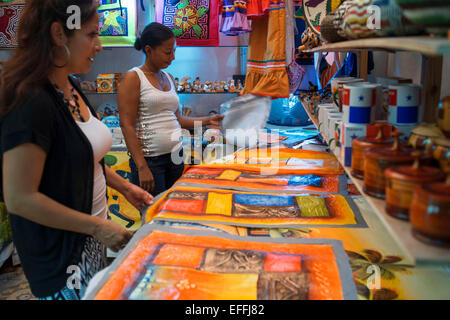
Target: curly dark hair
[(27, 69)]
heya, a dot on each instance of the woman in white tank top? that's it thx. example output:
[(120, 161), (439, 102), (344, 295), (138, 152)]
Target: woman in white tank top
[(149, 114)]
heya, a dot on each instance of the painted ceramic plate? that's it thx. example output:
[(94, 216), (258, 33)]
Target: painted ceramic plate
[(316, 10)]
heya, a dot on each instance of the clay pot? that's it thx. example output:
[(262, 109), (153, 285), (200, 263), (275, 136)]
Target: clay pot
[(430, 213), (443, 116), (376, 161), (361, 144), (439, 148), (421, 134), (401, 182)]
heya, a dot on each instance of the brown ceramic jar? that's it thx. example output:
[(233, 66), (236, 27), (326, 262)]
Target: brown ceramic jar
[(430, 213), (420, 135), (443, 116), (376, 161), (441, 152), (359, 145), (401, 182)]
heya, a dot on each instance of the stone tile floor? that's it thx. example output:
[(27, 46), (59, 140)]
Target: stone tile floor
[(13, 284)]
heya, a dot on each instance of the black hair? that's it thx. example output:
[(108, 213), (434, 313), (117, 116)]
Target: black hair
[(153, 35)]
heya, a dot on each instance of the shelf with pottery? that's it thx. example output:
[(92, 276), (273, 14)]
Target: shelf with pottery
[(113, 93), (400, 230), (422, 44)]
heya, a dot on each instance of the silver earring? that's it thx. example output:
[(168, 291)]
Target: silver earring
[(67, 59)]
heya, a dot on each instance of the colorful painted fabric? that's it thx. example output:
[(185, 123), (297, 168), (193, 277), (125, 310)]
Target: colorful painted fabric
[(266, 64), (279, 161), (234, 18), (194, 22), (9, 23), (269, 209), (117, 25), (119, 209), (173, 264), (237, 179)]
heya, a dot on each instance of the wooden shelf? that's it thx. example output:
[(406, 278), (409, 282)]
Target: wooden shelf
[(433, 46), (400, 230), (237, 92)]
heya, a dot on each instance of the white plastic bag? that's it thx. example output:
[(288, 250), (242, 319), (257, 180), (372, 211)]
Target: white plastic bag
[(244, 117)]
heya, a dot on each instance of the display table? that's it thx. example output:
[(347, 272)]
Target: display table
[(380, 265)]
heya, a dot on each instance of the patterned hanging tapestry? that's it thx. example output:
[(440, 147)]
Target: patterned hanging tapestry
[(117, 25), (194, 22), (10, 12)]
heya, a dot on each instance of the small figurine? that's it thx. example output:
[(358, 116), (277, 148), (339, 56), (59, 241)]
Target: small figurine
[(222, 86), (185, 84), (309, 40), (239, 85), (208, 86), (231, 87), (187, 87), (196, 86), (216, 86)]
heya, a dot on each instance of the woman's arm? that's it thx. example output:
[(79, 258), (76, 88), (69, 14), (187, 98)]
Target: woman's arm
[(128, 103), (21, 180), (138, 197), (189, 122)]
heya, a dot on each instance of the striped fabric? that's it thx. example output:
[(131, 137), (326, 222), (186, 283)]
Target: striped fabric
[(266, 64)]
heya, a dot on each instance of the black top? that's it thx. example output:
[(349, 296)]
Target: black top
[(44, 120)]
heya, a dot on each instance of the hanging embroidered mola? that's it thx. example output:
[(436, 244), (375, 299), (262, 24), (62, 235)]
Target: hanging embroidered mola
[(117, 25), (194, 22), (9, 22)]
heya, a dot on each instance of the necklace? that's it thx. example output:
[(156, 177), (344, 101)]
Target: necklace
[(71, 103), (158, 75)]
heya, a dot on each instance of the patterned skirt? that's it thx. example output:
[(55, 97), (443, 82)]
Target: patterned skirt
[(93, 259)]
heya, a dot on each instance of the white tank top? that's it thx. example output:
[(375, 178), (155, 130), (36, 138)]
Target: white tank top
[(100, 138), (157, 128)]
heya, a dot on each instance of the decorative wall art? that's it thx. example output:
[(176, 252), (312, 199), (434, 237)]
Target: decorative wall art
[(117, 26), (10, 13), (194, 22), (170, 264)]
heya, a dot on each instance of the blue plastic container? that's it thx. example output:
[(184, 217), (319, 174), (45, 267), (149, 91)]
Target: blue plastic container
[(288, 112)]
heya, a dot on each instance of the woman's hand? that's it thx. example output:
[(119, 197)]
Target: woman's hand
[(215, 120), (112, 235), (138, 197), (146, 179)]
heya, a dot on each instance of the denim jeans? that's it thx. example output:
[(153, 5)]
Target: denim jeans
[(165, 172)]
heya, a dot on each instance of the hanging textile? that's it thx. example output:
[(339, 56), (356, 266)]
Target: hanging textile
[(294, 70), (234, 18), (9, 22), (258, 8), (266, 64), (117, 24), (194, 22)]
